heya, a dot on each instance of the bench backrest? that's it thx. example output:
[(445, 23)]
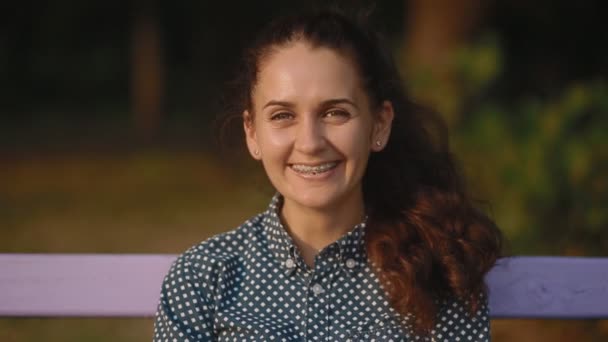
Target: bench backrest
[(128, 285)]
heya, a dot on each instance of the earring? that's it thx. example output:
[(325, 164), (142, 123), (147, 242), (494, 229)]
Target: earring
[(378, 143), (256, 152)]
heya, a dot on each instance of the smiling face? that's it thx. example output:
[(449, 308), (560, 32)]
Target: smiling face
[(312, 126)]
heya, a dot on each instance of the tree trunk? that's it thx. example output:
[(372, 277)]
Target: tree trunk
[(435, 30), (146, 70)]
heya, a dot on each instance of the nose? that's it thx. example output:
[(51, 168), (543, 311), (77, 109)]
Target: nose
[(310, 137)]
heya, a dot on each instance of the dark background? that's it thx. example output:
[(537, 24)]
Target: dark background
[(108, 113)]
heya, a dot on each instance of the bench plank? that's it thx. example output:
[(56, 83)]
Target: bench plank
[(128, 285), (549, 287), (81, 285)]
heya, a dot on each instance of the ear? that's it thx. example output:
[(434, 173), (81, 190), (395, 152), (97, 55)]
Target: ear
[(250, 136), (382, 126)]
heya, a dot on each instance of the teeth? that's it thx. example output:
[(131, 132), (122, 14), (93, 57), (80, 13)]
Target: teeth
[(313, 169)]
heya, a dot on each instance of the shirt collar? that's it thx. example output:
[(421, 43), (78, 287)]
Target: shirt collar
[(279, 241), (351, 246)]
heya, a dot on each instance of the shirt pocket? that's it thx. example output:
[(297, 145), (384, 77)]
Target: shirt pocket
[(239, 326), (381, 329)]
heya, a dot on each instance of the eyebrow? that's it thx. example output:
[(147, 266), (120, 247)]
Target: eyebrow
[(325, 103)]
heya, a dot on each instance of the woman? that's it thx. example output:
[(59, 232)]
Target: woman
[(370, 236)]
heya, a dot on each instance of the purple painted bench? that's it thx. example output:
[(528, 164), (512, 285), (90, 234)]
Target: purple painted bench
[(128, 285)]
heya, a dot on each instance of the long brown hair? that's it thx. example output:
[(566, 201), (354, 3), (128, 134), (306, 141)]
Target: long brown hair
[(426, 237)]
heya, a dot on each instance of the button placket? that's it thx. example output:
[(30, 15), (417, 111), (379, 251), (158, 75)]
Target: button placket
[(319, 288), (290, 263)]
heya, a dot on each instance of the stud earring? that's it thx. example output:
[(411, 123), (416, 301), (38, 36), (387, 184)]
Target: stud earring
[(256, 152), (378, 143)]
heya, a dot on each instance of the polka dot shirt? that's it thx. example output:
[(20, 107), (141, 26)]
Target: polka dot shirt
[(251, 284)]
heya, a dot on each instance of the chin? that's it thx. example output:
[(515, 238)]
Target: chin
[(318, 200), (314, 203)]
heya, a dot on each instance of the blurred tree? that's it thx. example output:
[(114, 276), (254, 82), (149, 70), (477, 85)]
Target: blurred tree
[(538, 156), (146, 69), (542, 162), (435, 30)]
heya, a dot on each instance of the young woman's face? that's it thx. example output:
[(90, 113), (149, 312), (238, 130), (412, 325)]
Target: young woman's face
[(312, 126)]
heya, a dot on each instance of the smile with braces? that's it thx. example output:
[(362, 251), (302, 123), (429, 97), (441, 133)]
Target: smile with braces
[(313, 169)]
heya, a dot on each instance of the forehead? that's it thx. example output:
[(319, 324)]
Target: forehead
[(302, 72)]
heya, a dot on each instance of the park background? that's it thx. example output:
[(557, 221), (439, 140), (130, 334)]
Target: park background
[(109, 111)]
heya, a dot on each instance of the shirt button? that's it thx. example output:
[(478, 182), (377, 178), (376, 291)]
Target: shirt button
[(289, 263), (350, 263), (317, 289)]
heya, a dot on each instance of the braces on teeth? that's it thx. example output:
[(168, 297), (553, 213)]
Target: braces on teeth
[(313, 169)]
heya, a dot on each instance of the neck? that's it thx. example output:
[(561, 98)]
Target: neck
[(312, 229)]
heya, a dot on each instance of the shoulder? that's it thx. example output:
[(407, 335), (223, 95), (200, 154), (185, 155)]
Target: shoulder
[(213, 254), (230, 244), (456, 319)]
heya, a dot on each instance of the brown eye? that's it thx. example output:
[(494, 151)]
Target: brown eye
[(337, 116), (281, 116), (336, 113)]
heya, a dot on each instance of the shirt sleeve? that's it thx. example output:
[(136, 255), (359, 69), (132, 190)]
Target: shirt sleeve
[(186, 306), (454, 323)]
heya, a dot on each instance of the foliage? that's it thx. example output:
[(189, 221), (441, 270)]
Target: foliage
[(541, 162)]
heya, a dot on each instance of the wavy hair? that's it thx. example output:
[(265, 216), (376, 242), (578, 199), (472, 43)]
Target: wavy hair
[(425, 235)]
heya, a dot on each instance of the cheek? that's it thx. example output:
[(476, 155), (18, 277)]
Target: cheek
[(352, 142), (274, 141)]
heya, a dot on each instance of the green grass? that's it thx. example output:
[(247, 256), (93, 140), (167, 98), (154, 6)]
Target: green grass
[(75, 329), (152, 202)]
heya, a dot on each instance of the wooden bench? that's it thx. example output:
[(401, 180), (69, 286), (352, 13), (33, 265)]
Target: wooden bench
[(128, 285)]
